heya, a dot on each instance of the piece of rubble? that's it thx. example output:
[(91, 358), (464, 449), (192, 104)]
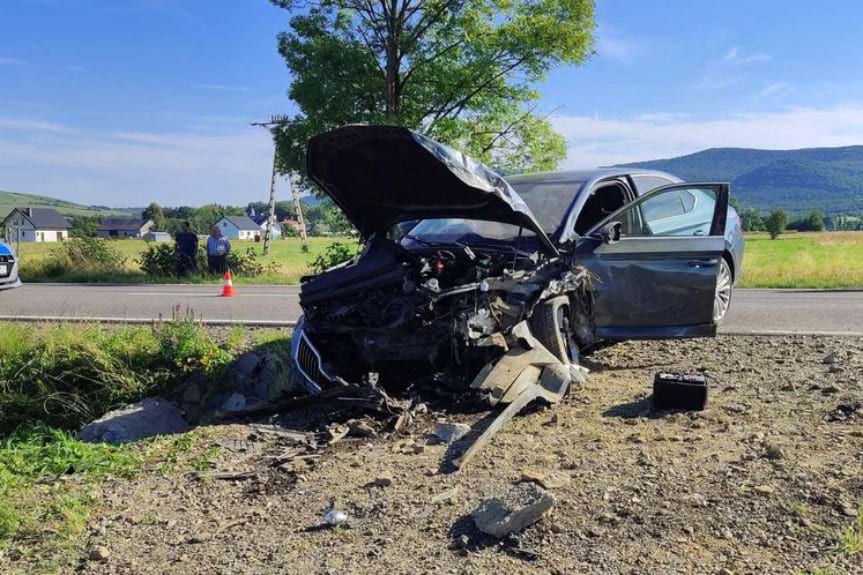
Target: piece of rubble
[(384, 479), (545, 479), (235, 402), (523, 506), (334, 517), (99, 553), (450, 432), (360, 428), (445, 497), (149, 417)]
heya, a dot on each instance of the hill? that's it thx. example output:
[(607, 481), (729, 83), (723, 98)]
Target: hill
[(11, 200), (798, 180)]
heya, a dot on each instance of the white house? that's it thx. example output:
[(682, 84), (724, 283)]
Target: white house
[(262, 224), (36, 225), (239, 228)]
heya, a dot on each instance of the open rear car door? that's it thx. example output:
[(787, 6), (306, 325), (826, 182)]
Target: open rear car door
[(656, 261)]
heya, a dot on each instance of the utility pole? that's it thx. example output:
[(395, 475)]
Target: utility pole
[(271, 214)]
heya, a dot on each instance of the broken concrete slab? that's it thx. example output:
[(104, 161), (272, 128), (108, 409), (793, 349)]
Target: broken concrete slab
[(149, 417), (450, 432), (521, 507)]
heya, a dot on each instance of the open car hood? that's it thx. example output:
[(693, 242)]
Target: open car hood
[(383, 175)]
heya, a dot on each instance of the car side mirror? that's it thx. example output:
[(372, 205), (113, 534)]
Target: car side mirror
[(610, 232)]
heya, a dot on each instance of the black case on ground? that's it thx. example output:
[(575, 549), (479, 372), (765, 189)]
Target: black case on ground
[(686, 391)]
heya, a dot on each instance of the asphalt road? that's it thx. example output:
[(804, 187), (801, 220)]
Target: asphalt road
[(752, 311)]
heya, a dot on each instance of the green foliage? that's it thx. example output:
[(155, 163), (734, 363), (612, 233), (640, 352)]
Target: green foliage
[(85, 226), (84, 256), (334, 255), (460, 71), (776, 222), (812, 222), (67, 375), (160, 260), (851, 542), (751, 220), (154, 212)]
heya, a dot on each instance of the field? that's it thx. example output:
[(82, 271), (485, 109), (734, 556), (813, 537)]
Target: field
[(12, 200), (804, 260), (794, 260), (287, 254)]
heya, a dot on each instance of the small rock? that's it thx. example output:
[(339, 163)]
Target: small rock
[(847, 510), (524, 505), (764, 489), (546, 479), (151, 416), (235, 402), (773, 452), (450, 432), (831, 359), (247, 364), (725, 571), (445, 497), (385, 479), (831, 389), (99, 553), (360, 428)]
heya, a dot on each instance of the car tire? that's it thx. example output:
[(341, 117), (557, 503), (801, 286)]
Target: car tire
[(724, 286), (550, 324)]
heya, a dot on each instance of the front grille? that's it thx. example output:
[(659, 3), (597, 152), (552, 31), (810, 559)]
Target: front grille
[(6, 259), (309, 361)]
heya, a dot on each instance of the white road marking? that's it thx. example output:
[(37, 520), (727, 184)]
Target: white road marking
[(110, 319)]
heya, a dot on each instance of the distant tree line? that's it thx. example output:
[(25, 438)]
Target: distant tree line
[(323, 217)]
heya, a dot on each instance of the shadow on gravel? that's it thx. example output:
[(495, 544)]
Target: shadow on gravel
[(465, 538)]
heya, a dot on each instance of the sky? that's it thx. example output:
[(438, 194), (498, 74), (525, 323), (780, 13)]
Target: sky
[(123, 102)]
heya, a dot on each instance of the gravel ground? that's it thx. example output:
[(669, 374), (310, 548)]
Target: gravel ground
[(769, 479)]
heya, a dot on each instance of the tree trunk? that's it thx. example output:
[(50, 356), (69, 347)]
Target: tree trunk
[(393, 61)]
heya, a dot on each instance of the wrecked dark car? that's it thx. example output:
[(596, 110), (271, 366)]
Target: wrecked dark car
[(465, 280)]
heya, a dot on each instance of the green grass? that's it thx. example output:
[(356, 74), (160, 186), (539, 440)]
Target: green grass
[(287, 255), (804, 260), (12, 200), (851, 541)]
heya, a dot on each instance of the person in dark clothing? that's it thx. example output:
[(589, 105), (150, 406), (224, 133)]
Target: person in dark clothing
[(218, 248), (186, 246)]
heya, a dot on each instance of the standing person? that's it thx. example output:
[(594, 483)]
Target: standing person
[(186, 246), (218, 248)]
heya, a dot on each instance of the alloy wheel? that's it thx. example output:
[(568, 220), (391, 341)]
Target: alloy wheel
[(722, 298)]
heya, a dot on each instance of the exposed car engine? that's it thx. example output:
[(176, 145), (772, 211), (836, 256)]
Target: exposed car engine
[(433, 309)]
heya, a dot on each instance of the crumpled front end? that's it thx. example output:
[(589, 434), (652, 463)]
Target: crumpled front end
[(399, 316)]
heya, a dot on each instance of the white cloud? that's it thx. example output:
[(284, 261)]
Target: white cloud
[(775, 89), (27, 125), (135, 168), (5, 60), (594, 141), (735, 56)]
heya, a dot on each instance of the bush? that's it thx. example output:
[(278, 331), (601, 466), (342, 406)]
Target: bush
[(161, 261), (64, 376), (84, 255), (334, 255)]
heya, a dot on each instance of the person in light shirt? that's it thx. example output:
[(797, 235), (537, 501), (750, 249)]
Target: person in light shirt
[(218, 248)]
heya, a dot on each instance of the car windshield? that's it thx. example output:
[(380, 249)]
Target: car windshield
[(548, 201), (467, 232)]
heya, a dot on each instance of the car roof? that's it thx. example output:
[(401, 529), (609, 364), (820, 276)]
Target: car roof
[(585, 175)]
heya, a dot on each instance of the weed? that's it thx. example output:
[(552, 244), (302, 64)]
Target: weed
[(851, 541)]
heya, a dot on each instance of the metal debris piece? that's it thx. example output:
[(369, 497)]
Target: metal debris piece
[(334, 517)]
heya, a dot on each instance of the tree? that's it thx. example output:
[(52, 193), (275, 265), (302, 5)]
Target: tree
[(154, 212), (815, 221), (751, 220), (460, 71), (85, 226), (776, 222)]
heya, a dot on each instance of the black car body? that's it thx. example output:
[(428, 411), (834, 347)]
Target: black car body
[(456, 263)]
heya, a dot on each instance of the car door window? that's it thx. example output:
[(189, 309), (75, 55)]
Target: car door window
[(679, 211), (645, 184)]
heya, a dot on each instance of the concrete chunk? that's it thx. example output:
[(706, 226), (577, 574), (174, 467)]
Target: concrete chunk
[(523, 506), (152, 416)]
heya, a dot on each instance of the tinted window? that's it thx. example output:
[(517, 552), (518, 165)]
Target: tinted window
[(548, 201), (644, 184)]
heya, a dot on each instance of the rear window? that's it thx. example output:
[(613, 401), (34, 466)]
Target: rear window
[(548, 201)]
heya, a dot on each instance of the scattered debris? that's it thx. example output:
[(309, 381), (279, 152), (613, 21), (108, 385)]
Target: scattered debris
[(335, 518), (546, 479), (385, 479), (149, 417), (235, 402), (450, 432), (226, 475), (521, 507)]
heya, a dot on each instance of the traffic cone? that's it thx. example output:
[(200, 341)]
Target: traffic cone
[(228, 289)]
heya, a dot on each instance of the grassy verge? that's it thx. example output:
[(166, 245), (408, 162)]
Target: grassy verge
[(53, 378), (290, 261), (810, 260)]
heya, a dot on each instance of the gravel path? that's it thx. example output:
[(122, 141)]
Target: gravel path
[(764, 481)]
